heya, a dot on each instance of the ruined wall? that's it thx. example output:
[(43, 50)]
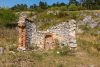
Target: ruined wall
[(64, 33), (30, 29)]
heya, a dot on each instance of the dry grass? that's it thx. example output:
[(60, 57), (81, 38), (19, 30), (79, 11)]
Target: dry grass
[(89, 38), (8, 36), (82, 57)]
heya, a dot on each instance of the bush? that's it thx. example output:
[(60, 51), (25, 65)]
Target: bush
[(72, 7)]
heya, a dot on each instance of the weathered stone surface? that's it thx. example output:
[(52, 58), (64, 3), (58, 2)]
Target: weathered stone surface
[(90, 21), (65, 33)]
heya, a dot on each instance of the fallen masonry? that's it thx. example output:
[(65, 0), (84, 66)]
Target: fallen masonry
[(63, 33)]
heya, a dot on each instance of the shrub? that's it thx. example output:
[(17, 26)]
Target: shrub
[(72, 7)]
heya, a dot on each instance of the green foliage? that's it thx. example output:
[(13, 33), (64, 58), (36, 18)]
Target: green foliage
[(45, 20), (97, 28), (58, 4), (89, 30), (6, 17), (45, 26), (90, 4), (73, 14), (73, 2), (43, 5), (54, 8), (84, 27), (39, 10), (34, 7), (81, 8), (97, 7), (72, 7), (48, 21), (20, 7), (63, 8)]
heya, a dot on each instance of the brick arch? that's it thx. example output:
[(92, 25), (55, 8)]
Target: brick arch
[(49, 41)]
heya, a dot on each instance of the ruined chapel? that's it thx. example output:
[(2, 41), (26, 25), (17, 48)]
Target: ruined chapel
[(63, 33)]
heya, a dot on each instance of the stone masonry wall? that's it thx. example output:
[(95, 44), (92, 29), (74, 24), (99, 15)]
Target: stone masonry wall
[(65, 33)]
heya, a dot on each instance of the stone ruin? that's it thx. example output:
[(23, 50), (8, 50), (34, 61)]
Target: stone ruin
[(63, 34)]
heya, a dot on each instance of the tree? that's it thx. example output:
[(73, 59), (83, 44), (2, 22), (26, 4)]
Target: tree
[(90, 4), (73, 2), (19, 7), (34, 6), (58, 4), (43, 5)]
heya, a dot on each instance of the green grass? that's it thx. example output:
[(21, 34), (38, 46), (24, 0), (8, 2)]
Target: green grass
[(7, 18)]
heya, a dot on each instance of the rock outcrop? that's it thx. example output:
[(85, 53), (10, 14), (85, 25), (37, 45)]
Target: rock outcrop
[(91, 22)]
